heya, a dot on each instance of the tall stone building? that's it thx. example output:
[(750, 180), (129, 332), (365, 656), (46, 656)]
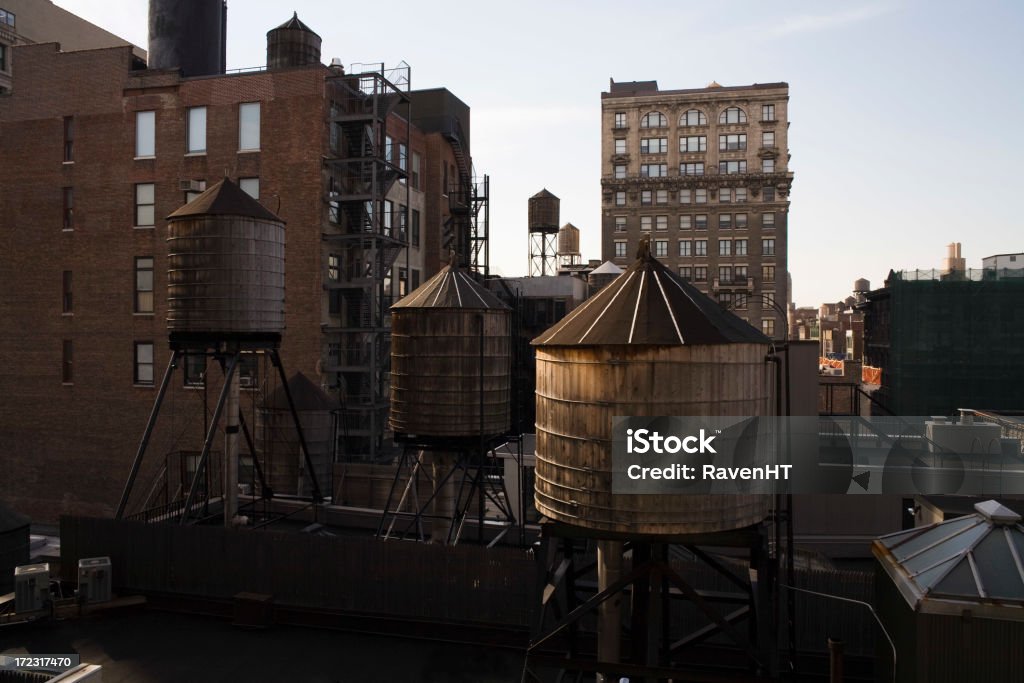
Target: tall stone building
[(98, 149), (704, 173)]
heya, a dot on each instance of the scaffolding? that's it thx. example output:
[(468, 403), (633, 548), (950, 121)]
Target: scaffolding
[(370, 114)]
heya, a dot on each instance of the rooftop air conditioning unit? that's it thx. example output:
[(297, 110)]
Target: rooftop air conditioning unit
[(191, 185), (94, 579), (31, 587)]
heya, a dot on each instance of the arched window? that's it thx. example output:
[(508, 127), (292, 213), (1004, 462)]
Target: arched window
[(693, 117), (654, 119), (733, 115)]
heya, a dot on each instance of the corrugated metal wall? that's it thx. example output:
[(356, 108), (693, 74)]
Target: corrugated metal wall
[(461, 584)]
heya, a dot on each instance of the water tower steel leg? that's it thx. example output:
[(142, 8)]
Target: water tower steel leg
[(265, 491), (171, 364), (276, 358), (201, 466), (609, 632), (231, 453)]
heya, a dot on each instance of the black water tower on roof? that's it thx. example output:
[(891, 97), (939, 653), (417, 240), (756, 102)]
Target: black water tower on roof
[(190, 35), (292, 44)]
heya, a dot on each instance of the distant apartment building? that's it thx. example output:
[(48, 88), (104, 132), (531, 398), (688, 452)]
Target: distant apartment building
[(1003, 265), (370, 178), (704, 174), (24, 22), (945, 342)]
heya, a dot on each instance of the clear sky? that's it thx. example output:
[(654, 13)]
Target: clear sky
[(906, 116)]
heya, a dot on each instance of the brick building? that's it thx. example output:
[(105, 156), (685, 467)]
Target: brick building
[(705, 174), (98, 150)]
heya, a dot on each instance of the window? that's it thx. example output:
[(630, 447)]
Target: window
[(67, 351), (620, 171), (145, 204), (3, 57), (333, 267), (145, 134), (646, 197), (740, 220), (403, 225), (143, 363), (620, 145), (143, 284), (685, 222), (661, 197), (768, 220), (726, 299), (660, 248), (66, 301), (733, 115), (654, 119), (725, 195), (740, 194), (732, 142), (696, 168), (415, 279), (768, 247), (248, 126), (767, 112), (620, 250), (68, 210), (7, 17), (196, 130), (69, 129), (768, 273), (250, 186), (403, 157), (653, 145), (620, 119), (661, 222), (693, 143), (620, 198), (768, 299), (700, 274), (702, 221), (700, 248), (768, 194), (686, 272), (685, 248), (620, 224), (416, 171), (389, 148), (646, 222), (195, 369), (403, 282), (415, 228), (740, 247), (685, 196), (200, 187), (389, 209), (725, 221), (652, 170), (725, 247), (702, 195), (768, 138), (693, 117), (768, 165), (740, 274), (732, 166), (768, 327)]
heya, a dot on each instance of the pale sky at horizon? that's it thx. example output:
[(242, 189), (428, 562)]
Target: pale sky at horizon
[(905, 117)]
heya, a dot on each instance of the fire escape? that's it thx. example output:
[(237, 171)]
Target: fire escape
[(363, 240), (466, 230)]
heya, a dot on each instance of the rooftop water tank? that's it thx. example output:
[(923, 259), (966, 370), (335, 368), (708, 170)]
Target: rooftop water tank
[(292, 44), (450, 358), (225, 267), (569, 239), (647, 344), (189, 35), (543, 211)]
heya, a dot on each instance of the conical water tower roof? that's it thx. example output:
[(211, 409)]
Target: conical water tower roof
[(544, 194), (606, 268), (451, 288), (295, 23), (225, 199), (649, 305)]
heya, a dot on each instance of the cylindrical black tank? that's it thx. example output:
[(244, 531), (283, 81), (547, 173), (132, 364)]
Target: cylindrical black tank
[(543, 212), (292, 44), (189, 35)]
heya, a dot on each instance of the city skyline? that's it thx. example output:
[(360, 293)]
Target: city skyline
[(892, 162)]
